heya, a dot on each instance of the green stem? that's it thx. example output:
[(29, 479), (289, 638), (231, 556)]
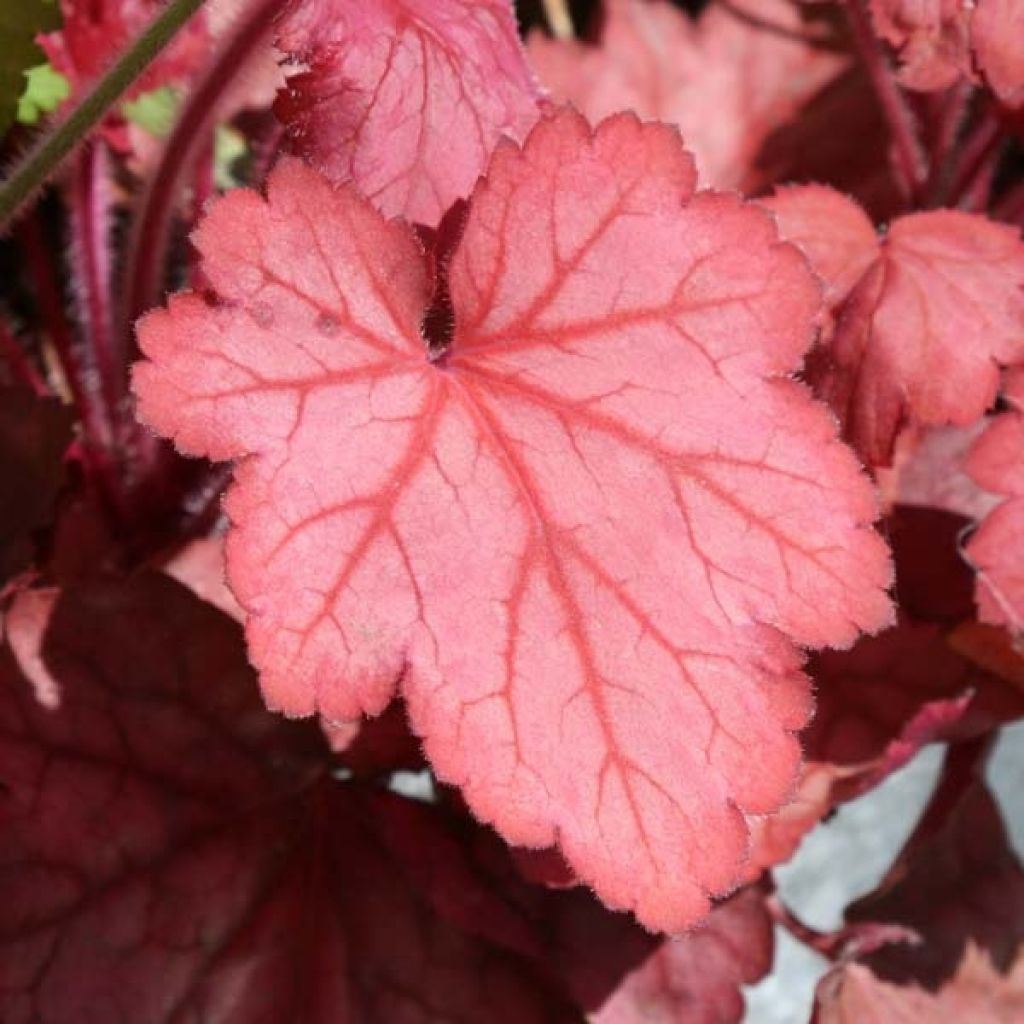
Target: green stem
[(33, 171)]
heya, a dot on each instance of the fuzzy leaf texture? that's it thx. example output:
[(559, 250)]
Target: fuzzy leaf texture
[(405, 98), (585, 540)]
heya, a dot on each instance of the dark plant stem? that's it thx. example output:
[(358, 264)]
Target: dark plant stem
[(41, 161), (1010, 206), (203, 188), (20, 365), (909, 162), (80, 377), (942, 155), (976, 166), (147, 248), (89, 204)]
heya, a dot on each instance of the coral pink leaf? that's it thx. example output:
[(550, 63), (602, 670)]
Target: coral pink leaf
[(96, 32), (583, 539), (405, 98), (173, 852), (832, 231), (997, 29), (924, 331), (996, 463)]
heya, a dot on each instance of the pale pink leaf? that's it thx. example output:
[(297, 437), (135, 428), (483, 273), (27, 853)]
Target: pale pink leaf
[(582, 539), (728, 79), (406, 98)]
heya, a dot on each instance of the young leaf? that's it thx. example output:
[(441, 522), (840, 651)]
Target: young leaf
[(997, 463), (921, 336), (405, 99), (963, 884), (583, 537), (96, 32), (831, 229), (173, 852), (755, 90)]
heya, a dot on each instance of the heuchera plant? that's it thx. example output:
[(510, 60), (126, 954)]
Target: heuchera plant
[(617, 433)]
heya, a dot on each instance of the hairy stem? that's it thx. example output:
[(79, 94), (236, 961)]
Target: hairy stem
[(908, 157), (89, 202), (42, 160)]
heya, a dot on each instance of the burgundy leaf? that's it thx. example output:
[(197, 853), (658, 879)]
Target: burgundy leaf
[(172, 852), (963, 883), (34, 435), (977, 993)]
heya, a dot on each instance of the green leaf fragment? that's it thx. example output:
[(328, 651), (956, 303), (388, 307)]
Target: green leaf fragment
[(45, 91), (154, 111)]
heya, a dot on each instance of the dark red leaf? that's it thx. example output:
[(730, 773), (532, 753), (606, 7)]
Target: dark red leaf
[(978, 994), (728, 79), (962, 883), (172, 852), (34, 435)]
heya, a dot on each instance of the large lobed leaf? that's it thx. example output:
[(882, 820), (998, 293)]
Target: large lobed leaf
[(584, 539)]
